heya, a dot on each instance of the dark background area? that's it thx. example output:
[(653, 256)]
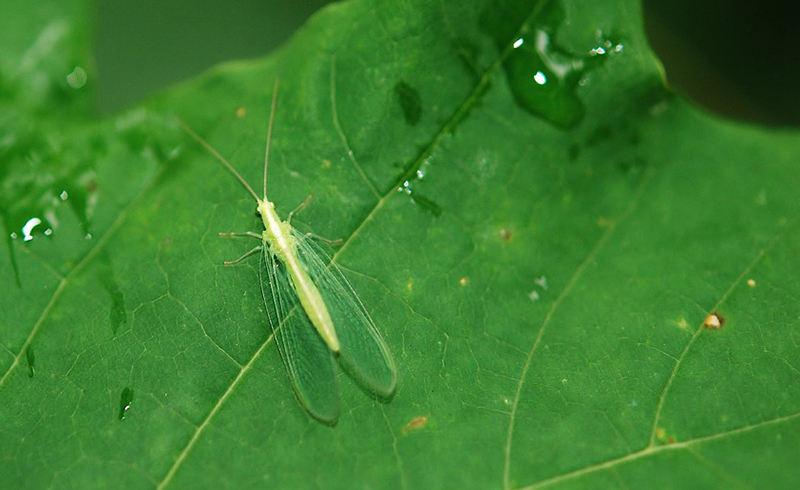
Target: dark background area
[(144, 46), (736, 58)]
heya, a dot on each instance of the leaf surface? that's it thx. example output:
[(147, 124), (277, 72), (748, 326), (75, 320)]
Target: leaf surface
[(539, 230)]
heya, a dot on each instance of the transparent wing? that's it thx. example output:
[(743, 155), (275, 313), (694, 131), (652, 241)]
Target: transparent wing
[(363, 353), (309, 362)]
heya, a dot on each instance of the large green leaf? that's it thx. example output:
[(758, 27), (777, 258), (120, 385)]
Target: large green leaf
[(539, 231)]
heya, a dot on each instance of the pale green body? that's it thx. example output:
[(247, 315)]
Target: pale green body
[(278, 237)]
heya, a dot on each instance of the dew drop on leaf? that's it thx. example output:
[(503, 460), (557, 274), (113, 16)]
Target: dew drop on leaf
[(77, 78), (125, 399), (544, 76), (410, 102), (31, 358)]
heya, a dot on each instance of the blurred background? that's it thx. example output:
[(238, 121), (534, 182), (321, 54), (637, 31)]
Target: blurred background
[(736, 58)]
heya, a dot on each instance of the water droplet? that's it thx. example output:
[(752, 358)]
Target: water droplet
[(410, 102), (125, 400), (426, 203), (417, 198), (117, 315), (40, 175), (108, 278), (48, 232), (544, 78), (77, 78), (542, 75), (31, 358), (27, 228), (13, 236), (606, 47)]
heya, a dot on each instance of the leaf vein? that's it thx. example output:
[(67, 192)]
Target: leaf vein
[(593, 253), (200, 428), (736, 282), (651, 450), (77, 269), (341, 134)]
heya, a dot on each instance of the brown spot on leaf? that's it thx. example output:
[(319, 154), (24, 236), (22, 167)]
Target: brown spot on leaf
[(751, 282), (241, 112), (463, 281), (714, 321), (506, 235), (604, 222), (415, 424), (661, 435)]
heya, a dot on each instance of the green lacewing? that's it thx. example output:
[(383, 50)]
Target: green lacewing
[(317, 316)]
